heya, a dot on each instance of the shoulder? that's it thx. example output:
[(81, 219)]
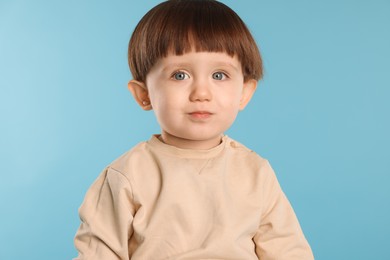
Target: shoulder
[(250, 174), (241, 152), (247, 161), (136, 155)]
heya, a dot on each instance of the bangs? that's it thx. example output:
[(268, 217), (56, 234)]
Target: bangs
[(180, 26), (200, 28)]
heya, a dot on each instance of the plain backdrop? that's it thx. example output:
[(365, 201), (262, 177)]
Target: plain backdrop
[(320, 115)]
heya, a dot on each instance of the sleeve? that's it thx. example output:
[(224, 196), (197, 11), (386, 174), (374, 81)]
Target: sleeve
[(279, 235), (106, 218)]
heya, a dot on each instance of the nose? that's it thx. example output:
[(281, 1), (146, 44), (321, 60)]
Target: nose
[(200, 91)]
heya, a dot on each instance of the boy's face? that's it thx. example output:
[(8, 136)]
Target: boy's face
[(195, 97)]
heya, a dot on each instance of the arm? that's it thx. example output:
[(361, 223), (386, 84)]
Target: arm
[(107, 215), (279, 235)]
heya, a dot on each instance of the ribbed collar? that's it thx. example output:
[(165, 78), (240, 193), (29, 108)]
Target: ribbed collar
[(156, 144)]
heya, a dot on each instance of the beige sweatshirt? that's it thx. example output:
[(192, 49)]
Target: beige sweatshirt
[(161, 202)]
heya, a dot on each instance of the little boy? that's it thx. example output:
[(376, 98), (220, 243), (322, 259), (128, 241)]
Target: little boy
[(190, 192)]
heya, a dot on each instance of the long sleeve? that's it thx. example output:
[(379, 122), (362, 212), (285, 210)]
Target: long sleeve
[(107, 215), (279, 235)]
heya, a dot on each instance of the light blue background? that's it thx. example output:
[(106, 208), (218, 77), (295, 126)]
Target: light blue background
[(321, 116)]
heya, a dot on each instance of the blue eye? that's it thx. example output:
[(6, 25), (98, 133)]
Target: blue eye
[(219, 75), (180, 75)]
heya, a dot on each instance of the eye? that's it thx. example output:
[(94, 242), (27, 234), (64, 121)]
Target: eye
[(180, 75), (219, 75)]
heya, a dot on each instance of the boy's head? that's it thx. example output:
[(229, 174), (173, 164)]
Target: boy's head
[(194, 63), (180, 26)]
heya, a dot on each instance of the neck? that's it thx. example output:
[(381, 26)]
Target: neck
[(189, 143)]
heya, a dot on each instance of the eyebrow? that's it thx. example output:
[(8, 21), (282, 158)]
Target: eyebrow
[(228, 64), (174, 65), (186, 64)]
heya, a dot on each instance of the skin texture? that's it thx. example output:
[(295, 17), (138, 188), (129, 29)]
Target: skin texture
[(195, 97)]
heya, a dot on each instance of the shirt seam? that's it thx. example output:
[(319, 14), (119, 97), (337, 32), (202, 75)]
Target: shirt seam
[(127, 178)]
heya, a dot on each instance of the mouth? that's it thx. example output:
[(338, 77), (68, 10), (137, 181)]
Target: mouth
[(200, 114)]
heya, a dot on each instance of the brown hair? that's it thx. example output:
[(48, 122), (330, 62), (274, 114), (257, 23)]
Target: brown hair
[(178, 26)]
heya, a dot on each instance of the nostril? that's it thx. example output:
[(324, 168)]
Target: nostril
[(201, 93)]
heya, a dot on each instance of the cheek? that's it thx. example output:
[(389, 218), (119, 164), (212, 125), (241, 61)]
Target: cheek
[(165, 103), (157, 98), (232, 99)]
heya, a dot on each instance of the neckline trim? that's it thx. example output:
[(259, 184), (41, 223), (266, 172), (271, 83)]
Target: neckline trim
[(155, 142)]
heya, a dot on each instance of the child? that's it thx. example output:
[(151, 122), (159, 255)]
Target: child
[(190, 192)]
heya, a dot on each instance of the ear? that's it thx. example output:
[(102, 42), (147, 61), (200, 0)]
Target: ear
[(140, 94), (247, 92)]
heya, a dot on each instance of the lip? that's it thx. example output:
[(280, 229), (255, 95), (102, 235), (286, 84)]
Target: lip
[(200, 114)]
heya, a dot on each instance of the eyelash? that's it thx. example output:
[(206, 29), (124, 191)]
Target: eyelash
[(224, 75), (175, 74)]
